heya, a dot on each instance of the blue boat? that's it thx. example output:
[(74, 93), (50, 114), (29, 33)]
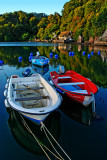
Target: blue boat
[(26, 73), (40, 60)]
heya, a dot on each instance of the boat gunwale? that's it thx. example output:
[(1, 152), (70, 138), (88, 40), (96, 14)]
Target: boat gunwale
[(34, 111), (56, 75)]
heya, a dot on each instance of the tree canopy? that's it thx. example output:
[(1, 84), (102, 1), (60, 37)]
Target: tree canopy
[(83, 17)]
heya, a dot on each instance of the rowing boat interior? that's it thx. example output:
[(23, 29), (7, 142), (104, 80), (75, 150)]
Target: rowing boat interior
[(32, 95)]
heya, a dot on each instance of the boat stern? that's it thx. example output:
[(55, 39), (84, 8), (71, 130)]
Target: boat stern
[(88, 100)]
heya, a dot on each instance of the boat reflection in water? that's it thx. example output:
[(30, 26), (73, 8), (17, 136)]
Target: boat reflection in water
[(78, 112), (40, 70), (23, 136)]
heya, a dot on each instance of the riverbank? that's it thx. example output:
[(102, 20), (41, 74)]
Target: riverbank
[(95, 43)]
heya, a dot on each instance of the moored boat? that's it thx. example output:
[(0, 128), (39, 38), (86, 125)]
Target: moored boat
[(75, 86), (39, 60), (27, 72), (32, 96)]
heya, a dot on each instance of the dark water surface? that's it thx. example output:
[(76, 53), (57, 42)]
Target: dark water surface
[(81, 132)]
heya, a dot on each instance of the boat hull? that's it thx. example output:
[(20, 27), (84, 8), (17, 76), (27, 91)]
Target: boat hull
[(74, 86), (85, 100), (36, 118), (41, 61), (30, 97), (33, 117)]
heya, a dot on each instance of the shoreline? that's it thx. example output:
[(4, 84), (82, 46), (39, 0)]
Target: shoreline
[(87, 43), (95, 43)]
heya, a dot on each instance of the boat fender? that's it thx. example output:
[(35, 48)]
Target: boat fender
[(51, 82), (8, 80), (60, 91), (5, 93), (6, 86), (6, 103)]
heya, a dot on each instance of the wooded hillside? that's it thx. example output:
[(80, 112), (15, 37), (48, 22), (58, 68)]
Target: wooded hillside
[(87, 18)]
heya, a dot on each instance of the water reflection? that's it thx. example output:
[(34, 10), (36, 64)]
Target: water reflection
[(94, 67), (25, 139), (40, 70), (78, 112)]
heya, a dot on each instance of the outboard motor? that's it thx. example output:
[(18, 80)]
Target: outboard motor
[(61, 70), (37, 54)]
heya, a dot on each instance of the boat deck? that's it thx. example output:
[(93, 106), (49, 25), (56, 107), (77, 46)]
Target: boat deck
[(31, 96)]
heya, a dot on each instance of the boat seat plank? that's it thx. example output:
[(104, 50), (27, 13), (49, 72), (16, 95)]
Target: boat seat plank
[(64, 77), (23, 89), (80, 91), (74, 83), (32, 98)]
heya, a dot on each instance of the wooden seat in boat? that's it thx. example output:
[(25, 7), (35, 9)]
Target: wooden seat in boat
[(80, 91), (31, 98), (23, 89), (73, 83), (63, 77)]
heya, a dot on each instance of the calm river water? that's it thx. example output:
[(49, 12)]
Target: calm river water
[(81, 132)]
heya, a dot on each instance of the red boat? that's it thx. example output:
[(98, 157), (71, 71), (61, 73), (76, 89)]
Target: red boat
[(75, 86)]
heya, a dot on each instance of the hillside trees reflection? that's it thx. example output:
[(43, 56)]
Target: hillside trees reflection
[(93, 67)]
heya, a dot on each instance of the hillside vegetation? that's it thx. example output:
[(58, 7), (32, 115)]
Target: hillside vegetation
[(82, 17)]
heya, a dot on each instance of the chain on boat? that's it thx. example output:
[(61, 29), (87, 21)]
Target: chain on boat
[(42, 146)]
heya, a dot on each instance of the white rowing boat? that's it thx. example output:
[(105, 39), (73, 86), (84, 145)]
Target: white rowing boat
[(32, 96)]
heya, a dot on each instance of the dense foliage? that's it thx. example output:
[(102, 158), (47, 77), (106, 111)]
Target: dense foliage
[(82, 17), (85, 17), (19, 26)]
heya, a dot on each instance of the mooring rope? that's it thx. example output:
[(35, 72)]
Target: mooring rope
[(51, 142), (27, 127), (55, 141), (41, 145)]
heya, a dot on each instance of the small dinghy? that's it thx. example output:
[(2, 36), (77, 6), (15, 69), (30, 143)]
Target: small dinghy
[(26, 73), (75, 86), (39, 60), (32, 96)]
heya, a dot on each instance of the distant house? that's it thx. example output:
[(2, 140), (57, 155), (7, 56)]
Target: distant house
[(80, 39), (66, 35)]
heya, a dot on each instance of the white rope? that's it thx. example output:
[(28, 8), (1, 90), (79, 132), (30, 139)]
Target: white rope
[(51, 143), (41, 145), (34, 137), (56, 141)]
